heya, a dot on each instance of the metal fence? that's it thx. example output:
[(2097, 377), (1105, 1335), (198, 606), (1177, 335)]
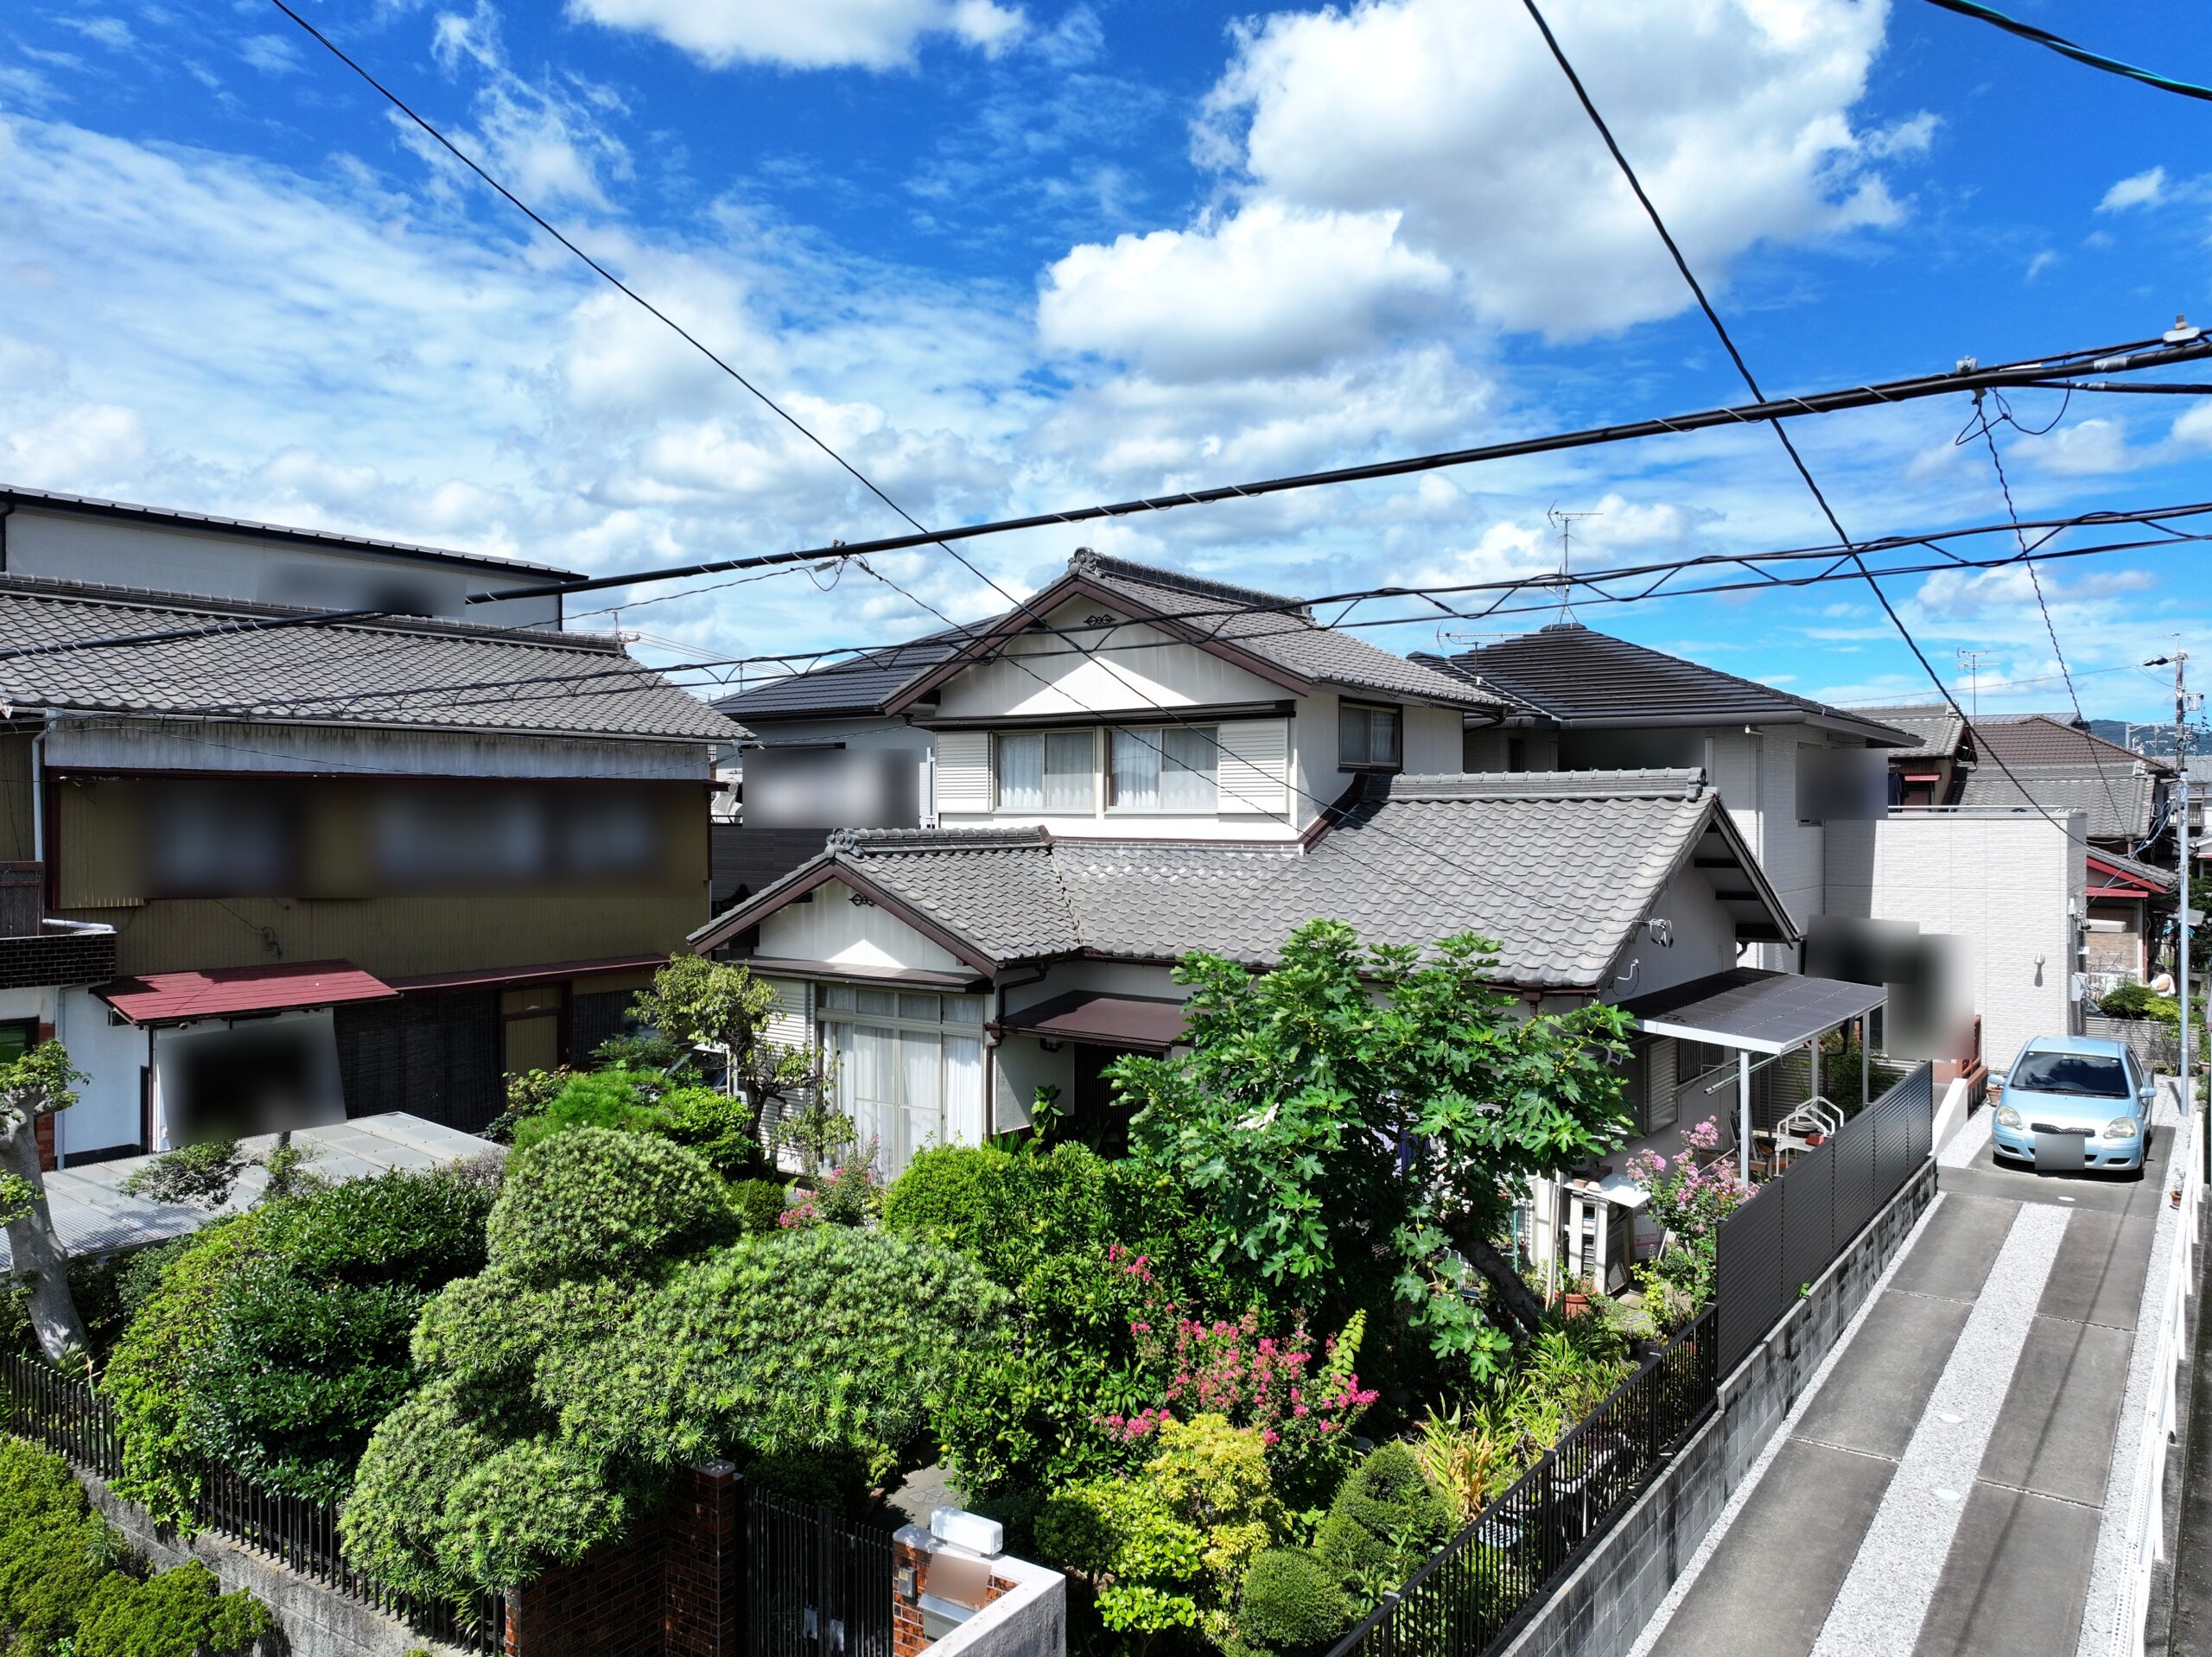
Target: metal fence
[(1491, 1576), (67, 1415), (1771, 1248), (815, 1585)]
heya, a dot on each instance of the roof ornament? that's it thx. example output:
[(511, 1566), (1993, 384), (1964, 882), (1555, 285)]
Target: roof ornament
[(1083, 561)]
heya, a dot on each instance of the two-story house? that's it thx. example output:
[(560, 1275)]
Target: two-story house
[(267, 876), (1140, 763)]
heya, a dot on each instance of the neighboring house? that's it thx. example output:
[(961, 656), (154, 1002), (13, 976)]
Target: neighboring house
[(1580, 698), (2129, 902), (2038, 761), (1927, 773), (268, 877)]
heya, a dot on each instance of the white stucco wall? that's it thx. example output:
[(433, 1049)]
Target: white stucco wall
[(111, 1054), (1704, 941), (1041, 674), (834, 928), (2000, 883)]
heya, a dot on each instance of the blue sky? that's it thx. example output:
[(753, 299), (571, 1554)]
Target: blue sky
[(1009, 258)]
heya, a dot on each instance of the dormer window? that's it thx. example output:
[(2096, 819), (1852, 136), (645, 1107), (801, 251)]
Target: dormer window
[(1047, 771), (1164, 768), (1367, 737)]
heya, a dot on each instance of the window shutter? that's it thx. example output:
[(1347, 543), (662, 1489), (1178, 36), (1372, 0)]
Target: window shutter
[(1255, 767), (787, 1025), (963, 772)]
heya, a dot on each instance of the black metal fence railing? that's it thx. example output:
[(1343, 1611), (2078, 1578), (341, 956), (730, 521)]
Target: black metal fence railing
[(1491, 1576), (68, 1416), (815, 1585), (1769, 1250)]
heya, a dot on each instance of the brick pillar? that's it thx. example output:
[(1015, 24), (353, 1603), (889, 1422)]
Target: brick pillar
[(43, 1126), (923, 1564), (706, 1559)]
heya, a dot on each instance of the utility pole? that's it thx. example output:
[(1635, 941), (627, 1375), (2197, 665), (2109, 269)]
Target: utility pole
[(1971, 661), (2179, 660)]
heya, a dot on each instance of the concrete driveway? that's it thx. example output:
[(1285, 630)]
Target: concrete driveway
[(1943, 1488)]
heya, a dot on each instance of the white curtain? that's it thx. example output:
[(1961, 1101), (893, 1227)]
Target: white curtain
[(1022, 773), (1071, 760), (963, 1090), (921, 1115), (1187, 774), (1136, 769), (868, 1084)]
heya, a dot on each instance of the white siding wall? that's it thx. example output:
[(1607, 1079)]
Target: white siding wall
[(1433, 746), (833, 928), (1019, 1066), (1704, 941), (106, 1111), (1144, 668), (2001, 884)]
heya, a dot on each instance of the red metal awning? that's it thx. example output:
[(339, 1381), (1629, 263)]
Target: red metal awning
[(221, 992), (1141, 1023)]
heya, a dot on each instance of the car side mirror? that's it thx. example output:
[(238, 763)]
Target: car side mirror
[(2147, 1095)]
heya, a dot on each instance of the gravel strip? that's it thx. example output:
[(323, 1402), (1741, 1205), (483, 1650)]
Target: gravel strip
[(2110, 1602), (1967, 1142), (1879, 1609), (1788, 1425)]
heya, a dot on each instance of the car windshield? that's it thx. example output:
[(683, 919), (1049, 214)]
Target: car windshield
[(2090, 1076)]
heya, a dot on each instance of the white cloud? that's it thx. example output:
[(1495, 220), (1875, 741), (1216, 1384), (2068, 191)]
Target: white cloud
[(2041, 262), (110, 32), (81, 450), (2137, 190), (271, 53), (2193, 430), (544, 140), (2084, 448), (1736, 113), (812, 35), (1267, 291)]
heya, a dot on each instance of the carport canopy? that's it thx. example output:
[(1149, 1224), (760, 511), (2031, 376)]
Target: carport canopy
[(1753, 1011)]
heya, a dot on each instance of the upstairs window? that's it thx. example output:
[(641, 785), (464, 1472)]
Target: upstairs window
[(1367, 737), (1047, 771), (1166, 769)]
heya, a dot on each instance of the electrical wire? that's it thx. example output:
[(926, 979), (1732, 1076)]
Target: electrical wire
[(2065, 47), (1980, 426), (1720, 329)]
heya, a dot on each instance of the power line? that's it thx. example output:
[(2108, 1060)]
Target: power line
[(571, 686), (1980, 425), (2065, 47), (1780, 432)]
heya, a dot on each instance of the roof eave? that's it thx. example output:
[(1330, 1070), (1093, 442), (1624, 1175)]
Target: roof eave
[(833, 866)]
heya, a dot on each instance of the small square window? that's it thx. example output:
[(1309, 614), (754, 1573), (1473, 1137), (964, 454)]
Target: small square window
[(1367, 737)]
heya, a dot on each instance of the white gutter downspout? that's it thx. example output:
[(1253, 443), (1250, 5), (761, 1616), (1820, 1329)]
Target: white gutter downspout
[(1743, 1116), (38, 801)]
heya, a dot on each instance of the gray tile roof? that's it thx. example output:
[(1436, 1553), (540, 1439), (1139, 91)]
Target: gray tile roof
[(861, 685), (2119, 802), (2039, 739), (1577, 677), (1285, 635), (1937, 732), (2149, 873), (412, 673), (1558, 867)]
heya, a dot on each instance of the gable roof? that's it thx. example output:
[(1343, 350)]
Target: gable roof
[(2119, 804), (449, 675), (2039, 739), (2131, 870), (1573, 675), (1937, 732), (209, 523), (1559, 867), (1266, 633)]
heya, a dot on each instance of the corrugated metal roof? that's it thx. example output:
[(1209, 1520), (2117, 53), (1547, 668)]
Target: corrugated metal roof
[(173, 997), (1559, 868), (442, 675), (1572, 674)]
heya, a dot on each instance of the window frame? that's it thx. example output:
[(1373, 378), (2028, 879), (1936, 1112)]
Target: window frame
[(1045, 736), (1212, 735), (1396, 763)]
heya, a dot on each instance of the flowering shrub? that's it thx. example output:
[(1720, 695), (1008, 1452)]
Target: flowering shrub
[(1302, 1411), (1690, 1200)]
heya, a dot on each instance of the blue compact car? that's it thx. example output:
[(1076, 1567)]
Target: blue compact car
[(2075, 1102)]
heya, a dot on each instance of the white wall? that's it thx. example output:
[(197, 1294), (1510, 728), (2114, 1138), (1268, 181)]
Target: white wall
[(1704, 936), (110, 1053), (834, 928), (178, 558), (1999, 882), (1143, 668), (167, 745)]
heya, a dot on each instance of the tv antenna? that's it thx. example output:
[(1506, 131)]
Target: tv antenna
[(1564, 522)]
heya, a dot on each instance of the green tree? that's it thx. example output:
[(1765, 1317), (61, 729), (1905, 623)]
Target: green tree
[(39, 1084), (1366, 1112), (721, 1005)]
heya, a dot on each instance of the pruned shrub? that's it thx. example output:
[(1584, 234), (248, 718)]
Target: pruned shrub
[(1386, 1519), (1292, 1601), (594, 1202), (761, 1201)]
